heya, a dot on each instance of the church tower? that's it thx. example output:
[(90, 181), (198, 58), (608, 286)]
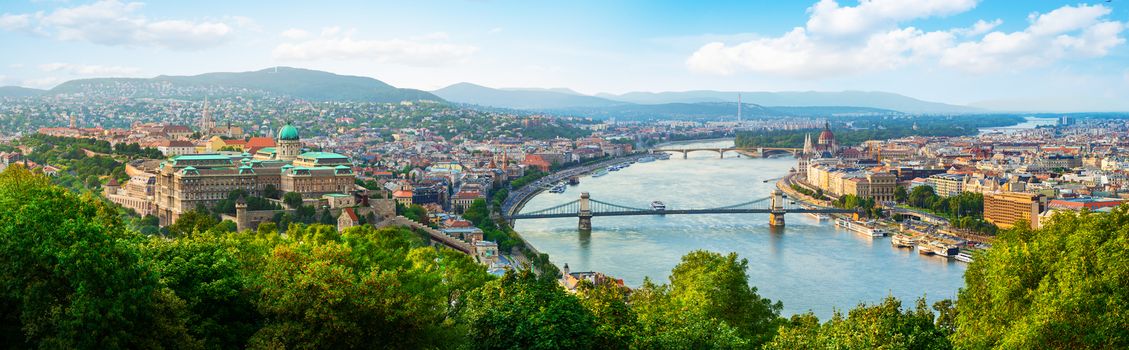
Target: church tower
[(289, 144), (206, 122)]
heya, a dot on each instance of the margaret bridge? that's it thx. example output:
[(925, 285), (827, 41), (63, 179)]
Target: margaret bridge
[(586, 208), (753, 151)]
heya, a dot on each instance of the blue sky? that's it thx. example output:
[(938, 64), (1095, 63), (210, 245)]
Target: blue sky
[(1046, 55)]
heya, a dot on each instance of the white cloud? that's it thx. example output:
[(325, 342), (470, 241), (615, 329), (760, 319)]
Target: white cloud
[(114, 23), (820, 50), (88, 69), (334, 44), (295, 34), (15, 22), (828, 18), (980, 27)]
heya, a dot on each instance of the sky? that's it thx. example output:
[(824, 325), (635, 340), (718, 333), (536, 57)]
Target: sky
[(1007, 55)]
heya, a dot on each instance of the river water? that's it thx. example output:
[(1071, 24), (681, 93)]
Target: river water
[(1028, 124), (808, 265)]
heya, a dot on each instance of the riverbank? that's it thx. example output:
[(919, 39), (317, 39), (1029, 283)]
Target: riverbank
[(517, 198)]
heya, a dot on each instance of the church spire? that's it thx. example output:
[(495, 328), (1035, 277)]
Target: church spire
[(808, 149)]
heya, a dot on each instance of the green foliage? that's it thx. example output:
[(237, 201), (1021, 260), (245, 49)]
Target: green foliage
[(1060, 287), (866, 205), (881, 326), (526, 311), (965, 210), (708, 304), (192, 222), (73, 278), (615, 321), (900, 194), (293, 200), (530, 176)]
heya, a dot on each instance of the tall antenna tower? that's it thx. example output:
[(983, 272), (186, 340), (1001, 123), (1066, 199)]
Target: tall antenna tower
[(738, 107)]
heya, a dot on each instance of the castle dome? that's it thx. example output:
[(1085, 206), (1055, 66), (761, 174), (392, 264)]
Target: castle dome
[(288, 133)]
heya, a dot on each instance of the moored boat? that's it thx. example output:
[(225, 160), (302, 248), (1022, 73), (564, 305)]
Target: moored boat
[(903, 241), (600, 172), (646, 159), (964, 256), (658, 205)]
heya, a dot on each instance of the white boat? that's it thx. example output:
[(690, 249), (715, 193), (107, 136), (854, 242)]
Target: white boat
[(903, 241), (558, 188), (964, 256), (646, 159), (820, 216), (938, 249), (662, 156), (600, 172), (658, 205), (861, 228)]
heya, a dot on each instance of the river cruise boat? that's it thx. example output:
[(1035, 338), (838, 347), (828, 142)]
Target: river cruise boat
[(558, 188), (600, 172), (938, 249), (662, 156), (646, 159), (658, 205), (820, 216), (903, 241), (862, 228), (964, 256)]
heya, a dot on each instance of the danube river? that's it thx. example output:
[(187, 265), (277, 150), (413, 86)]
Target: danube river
[(808, 265)]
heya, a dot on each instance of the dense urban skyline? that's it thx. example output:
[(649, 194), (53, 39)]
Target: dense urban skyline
[(1053, 56)]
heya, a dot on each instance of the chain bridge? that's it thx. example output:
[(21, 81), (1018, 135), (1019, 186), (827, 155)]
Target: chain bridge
[(585, 208)]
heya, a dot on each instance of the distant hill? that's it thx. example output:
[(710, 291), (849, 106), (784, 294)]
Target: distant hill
[(17, 91), (536, 99), (869, 99), (701, 110), (294, 82)]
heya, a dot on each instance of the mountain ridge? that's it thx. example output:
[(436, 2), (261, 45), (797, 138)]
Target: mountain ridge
[(294, 82)]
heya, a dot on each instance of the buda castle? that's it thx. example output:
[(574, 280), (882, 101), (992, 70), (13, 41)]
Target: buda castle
[(185, 182)]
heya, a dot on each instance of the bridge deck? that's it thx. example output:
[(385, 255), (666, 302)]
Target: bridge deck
[(677, 212)]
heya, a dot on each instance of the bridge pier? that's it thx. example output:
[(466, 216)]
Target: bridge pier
[(685, 154), (721, 153), (776, 213), (585, 213)]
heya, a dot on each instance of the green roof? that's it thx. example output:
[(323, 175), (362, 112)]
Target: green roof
[(320, 155), (288, 133)]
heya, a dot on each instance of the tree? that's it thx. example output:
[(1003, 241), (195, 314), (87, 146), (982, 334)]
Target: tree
[(881, 326), (73, 277), (327, 217), (191, 222), (615, 322), (1060, 287), (900, 194), (526, 311), (272, 192), (208, 274), (707, 291), (293, 200)]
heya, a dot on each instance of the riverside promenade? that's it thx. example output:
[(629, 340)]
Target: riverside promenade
[(517, 198)]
